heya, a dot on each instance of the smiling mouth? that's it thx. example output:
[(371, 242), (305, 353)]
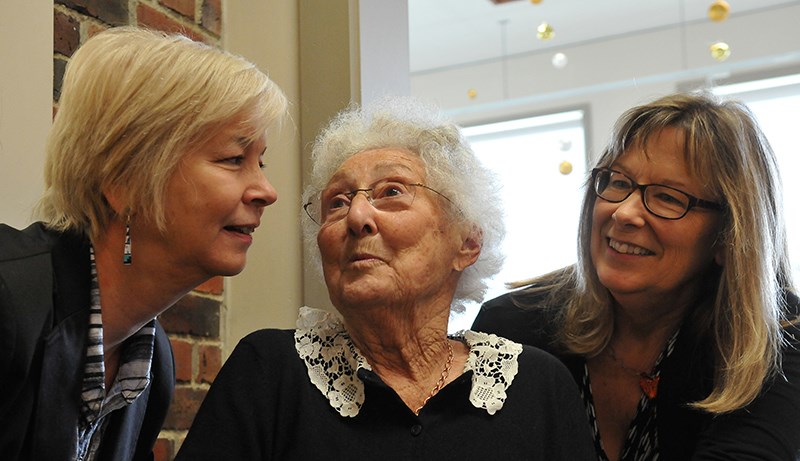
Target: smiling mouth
[(246, 230), (628, 249)]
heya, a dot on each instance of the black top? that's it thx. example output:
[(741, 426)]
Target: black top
[(44, 317), (767, 429), (263, 406)]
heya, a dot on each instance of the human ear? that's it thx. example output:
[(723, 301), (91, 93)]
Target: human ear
[(471, 245), (116, 199)]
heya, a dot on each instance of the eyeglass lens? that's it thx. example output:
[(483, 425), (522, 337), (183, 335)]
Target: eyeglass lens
[(385, 196), (660, 200)]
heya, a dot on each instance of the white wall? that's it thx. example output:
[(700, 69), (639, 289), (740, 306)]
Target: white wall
[(26, 88), (330, 54), (269, 291), (613, 75)]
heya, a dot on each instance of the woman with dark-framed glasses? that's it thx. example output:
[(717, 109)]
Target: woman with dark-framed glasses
[(679, 321), (406, 225)]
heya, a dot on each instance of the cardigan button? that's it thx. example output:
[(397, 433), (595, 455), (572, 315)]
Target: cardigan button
[(416, 429)]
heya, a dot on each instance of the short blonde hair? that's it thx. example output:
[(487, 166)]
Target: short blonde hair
[(133, 102)]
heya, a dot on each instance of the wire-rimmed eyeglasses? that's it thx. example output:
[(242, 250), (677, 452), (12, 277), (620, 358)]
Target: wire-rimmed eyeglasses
[(327, 207), (663, 201)]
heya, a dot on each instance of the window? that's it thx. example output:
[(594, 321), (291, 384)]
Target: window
[(776, 104), (541, 162)]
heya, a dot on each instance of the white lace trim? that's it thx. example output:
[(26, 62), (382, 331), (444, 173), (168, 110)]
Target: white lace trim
[(493, 361), (333, 361)]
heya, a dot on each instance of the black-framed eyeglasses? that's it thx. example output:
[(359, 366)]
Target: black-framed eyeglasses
[(663, 201), (326, 207)]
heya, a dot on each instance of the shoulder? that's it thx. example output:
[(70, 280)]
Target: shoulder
[(520, 317), (268, 336), (501, 354), (267, 347), (544, 365), (26, 276), (18, 244), (264, 362)]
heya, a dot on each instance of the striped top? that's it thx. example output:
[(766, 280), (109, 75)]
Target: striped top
[(641, 442), (133, 376)]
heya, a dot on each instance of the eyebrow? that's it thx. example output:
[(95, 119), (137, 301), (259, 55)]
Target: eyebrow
[(665, 182), (242, 141), (381, 169)]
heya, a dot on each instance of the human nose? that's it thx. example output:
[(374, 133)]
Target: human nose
[(260, 192), (361, 214), (631, 210)]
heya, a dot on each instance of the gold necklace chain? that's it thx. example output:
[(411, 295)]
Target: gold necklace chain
[(622, 365), (648, 382), (442, 378)]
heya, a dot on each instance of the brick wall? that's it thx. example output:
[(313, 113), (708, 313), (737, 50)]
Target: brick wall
[(193, 323)]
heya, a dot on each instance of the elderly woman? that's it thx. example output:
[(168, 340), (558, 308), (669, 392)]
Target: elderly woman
[(153, 185), (407, 223), (679, 321)]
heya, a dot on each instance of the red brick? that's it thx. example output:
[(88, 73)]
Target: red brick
[(163, 450), (154, 19), (193, 315), (113, 12), (185, 403), (93, 28), (183, 351), (182, 7), (66, 33), (214, 286), (210, 363), (212, 16)]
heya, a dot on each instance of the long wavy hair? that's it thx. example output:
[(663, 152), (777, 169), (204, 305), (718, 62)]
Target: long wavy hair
[(725, 147)]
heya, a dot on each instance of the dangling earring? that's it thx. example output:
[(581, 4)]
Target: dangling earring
[(127, 257)]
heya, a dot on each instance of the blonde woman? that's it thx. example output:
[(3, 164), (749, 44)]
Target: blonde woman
[(679, 319), (153, 185)]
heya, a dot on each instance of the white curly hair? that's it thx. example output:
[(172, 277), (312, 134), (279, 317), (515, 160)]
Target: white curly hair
[(451, 167)]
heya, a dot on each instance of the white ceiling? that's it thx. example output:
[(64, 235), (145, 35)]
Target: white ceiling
[(444, 33)]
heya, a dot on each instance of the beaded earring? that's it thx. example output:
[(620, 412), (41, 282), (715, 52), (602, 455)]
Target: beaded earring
[(127, 257)]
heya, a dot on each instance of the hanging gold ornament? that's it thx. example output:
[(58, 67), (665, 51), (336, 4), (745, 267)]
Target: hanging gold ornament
[(565, 168), (720, 51), (536, 2), (472, 93), (545, 31), (719, 11)]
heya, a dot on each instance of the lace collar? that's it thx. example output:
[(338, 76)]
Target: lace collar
[(333, 360)]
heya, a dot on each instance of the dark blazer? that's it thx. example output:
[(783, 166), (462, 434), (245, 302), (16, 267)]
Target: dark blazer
[(45, 283), (767, 429)]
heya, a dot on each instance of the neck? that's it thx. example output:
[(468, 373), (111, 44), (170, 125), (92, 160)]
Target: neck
[(647, 320), (638, 340), (131, 296), (404, 344), (411, 352)]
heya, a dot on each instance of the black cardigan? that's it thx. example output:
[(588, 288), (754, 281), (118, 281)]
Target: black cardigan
[(44, 307), (767, 429)]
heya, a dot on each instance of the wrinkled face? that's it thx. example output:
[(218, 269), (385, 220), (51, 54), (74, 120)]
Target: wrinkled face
[(638, 253), (397, 256), (214, 202)]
